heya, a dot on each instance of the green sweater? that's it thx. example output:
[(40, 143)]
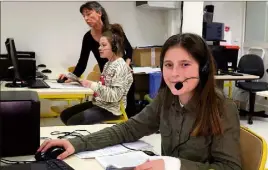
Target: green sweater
[(220, 152)]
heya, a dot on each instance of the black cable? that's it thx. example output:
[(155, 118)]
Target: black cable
[(181, 17), (150, 153), (45, 138), (74, 133)]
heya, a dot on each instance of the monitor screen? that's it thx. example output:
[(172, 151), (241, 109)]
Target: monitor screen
[(225, 58), (18, 128), (12, 54)]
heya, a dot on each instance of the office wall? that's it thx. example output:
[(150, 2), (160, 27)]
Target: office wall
[(231, 13), (54, 30), (193, 17)]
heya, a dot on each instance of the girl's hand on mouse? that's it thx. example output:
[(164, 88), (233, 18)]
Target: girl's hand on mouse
[(69, 149), (62, 77)]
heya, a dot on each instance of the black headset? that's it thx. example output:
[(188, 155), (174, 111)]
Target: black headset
[(114, 46), (204, 71)]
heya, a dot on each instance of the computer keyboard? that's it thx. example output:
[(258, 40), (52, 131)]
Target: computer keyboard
[(38, 74), (38, 84), (228, 73), (55, 164), (235, 74)]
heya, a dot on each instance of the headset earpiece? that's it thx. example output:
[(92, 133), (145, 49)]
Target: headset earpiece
[(204, 71), (114, 47)]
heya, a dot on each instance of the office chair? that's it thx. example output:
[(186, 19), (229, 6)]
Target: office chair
[(252, 64), (253, 150), (121, 118)]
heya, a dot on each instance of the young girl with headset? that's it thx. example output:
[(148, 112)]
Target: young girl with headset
[(112, 88), (199, 127)]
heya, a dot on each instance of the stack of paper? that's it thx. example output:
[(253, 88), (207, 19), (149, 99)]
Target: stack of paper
[(136, 158), (131, 159), (114, 150), (146, 70), (54, 85)]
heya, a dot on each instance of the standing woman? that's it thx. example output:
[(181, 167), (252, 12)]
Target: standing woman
[(97, 19)]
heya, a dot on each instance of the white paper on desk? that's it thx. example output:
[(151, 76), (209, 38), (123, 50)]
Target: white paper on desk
[(129, 159), (54, 85), (145, 70), (133, 159), (114, 150)]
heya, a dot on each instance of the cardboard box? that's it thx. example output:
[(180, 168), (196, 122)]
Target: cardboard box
[(147, 57)]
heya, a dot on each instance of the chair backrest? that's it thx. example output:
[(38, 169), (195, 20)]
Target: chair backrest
[(251, 64), (94, 76), (251, 49), (121, 118), (71, 69), (96, 68), (253, 150)]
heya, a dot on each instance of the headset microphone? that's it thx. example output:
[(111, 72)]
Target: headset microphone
[(179, 85)]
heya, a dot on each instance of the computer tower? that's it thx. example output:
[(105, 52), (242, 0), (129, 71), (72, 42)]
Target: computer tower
[(20, 123)]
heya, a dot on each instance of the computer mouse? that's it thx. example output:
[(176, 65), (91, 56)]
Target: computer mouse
[(46, 71), (41, 65), (51, 153), (62, 80)]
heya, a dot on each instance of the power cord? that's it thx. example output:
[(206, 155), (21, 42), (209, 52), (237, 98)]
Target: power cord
[(74, 133), (150, 153)]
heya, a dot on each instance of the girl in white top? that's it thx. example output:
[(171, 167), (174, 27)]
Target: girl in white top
[(112, 88)]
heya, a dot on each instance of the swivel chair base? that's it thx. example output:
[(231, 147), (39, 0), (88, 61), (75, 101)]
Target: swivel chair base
[(251, 114)]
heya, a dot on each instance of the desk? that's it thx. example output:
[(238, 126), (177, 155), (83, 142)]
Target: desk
[(221, 78), (142, 81), (85, 164), (53, 94)]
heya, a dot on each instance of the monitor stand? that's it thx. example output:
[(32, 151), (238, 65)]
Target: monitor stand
[(15, 84)]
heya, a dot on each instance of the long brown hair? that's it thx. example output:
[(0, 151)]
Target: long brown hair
[(115, 36), (209, 103)]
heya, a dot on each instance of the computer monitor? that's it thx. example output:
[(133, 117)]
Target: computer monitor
[(20, 123), (12, 54), (225, 57)]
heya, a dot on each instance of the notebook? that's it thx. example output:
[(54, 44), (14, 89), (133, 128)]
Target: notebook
[(135, 158), (129, 159), (114, 150)]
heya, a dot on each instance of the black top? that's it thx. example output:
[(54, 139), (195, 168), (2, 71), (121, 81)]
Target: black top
[(89, 44)]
